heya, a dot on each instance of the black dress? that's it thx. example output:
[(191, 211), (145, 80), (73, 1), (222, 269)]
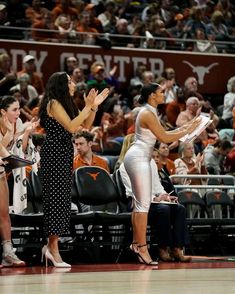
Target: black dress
[(56, 176)]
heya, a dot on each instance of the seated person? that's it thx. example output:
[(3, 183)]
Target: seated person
[(214, 156), (168, 220), (163, 152), (189, 163), (84, 155)]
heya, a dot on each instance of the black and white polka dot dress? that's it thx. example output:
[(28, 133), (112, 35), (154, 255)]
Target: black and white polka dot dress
[(56, 177)]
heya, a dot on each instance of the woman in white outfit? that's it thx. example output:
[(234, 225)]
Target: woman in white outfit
[(137, 162)]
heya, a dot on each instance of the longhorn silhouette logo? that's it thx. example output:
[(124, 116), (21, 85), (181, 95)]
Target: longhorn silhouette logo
[(201, 70), (93, 175), (188, 195)]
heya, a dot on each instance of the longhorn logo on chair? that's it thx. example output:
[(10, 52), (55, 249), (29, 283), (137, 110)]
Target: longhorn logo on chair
[(217, 195), (94, 176), (189, 195)]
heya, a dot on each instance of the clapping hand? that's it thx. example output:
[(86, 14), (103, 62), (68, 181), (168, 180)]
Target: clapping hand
[(101, 97), (199, 161), (32, 125), (90, 98)]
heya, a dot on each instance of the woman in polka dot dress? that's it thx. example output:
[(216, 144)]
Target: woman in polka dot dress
[(60, 119)]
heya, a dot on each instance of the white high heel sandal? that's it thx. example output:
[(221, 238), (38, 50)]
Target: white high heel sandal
[(48, 255)]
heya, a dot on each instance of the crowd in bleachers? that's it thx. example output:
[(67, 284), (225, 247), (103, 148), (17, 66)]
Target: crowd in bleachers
[(141, 24), (116, 116)]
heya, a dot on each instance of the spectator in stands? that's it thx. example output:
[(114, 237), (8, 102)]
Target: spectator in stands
[(228, 11), (169, 73), (35, 12), (189, 163), (158, 30), (46, 23), (30, 69), (113, 122), (94, 21), (229, 103), (174, 108), (163, 153), (84, 155), (134, 24), (7, 75), (78, 75), (166, 12), (148, 77), (136, 80), (9, 258), (194, 22), (66, 29), (28, 91), (214, 156), (202, 43), (84, 26), (170, 94), (193, 109), (229, 165), (64, 7), (70, 64), (216, 28), (190, 89), (97, 79), (177, 30), (108, 17), (121, 28)]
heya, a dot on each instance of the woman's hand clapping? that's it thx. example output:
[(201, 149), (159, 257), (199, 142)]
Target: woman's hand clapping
[(93, 99), (101, 97)]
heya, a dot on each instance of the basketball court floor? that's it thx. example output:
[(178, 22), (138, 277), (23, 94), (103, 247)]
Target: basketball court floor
[(203, 275)]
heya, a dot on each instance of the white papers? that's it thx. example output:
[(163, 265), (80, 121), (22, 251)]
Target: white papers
[(164, 202), (205, 122)]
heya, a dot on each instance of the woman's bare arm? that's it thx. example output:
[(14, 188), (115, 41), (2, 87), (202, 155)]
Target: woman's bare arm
[(148, 120)]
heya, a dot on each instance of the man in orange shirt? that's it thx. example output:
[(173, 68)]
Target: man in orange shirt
[(83, 142)]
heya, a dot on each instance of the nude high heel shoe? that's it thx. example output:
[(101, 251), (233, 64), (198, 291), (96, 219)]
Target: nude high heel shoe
[(49, 256), (44, 249)]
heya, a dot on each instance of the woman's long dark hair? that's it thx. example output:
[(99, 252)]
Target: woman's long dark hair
[(57, 88), (6, 101)]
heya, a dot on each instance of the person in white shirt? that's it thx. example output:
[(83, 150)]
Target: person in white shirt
[(229, 103)]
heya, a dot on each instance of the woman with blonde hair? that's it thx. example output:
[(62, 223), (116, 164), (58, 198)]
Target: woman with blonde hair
[(128, 140)]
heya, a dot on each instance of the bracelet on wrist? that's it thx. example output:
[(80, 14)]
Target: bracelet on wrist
[(94, 110)]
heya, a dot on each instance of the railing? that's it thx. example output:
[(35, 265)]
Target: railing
[(185, 44), (229, 188)]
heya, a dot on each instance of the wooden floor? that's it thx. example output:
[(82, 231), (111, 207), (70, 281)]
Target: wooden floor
[(202, 275)]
